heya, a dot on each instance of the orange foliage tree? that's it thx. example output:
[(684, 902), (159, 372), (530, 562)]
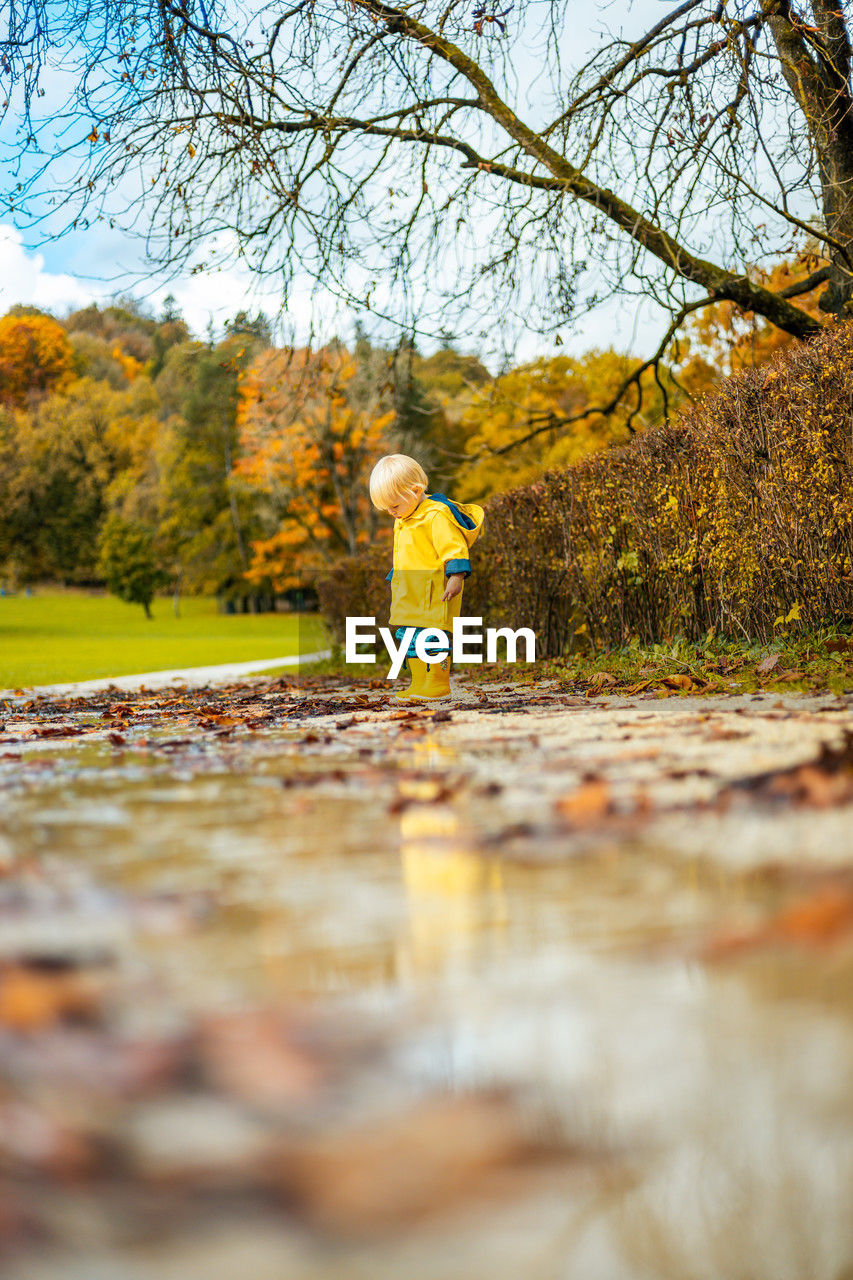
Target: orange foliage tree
[(35, 358), (309, 452)]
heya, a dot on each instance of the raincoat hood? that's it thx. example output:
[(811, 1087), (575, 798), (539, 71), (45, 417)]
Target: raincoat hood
[(467, 515)]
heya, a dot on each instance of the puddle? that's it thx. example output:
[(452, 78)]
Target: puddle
[(699, 1113)]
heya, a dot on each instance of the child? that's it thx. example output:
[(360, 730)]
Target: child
[(432, 536)]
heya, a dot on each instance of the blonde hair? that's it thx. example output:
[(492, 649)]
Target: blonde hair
[(393, 476)]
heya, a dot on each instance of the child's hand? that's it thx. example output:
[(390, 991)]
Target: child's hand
[(455, 582)]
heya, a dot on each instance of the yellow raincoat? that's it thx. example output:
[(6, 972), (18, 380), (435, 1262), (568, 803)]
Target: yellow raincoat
[(429, 545)]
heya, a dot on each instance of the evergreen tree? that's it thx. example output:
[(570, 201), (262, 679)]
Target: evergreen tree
[(127, 560)]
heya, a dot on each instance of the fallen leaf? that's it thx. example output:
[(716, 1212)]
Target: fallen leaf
[(601, 678), (820, 919), (720, 733), (31, 1000), (827, 780), (590, 802), (681, 681), (406, 1167)]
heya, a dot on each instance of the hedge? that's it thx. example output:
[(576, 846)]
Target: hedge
[(735, 519)]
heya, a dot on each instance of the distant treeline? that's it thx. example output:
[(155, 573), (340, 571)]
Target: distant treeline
[(136, 455), (132, 453)]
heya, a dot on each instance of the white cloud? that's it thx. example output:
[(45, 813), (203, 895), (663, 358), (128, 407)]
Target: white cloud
[(24, 279), (215, 295)]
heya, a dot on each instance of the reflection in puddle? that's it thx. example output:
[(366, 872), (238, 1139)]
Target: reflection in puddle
[(456, 900), (702, 1113)]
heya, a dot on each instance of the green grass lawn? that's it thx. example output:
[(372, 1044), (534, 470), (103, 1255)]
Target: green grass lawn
[(56, 636)]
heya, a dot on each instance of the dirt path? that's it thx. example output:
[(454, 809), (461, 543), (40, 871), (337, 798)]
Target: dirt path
[(555, 765), (297, 979), (663, 766)]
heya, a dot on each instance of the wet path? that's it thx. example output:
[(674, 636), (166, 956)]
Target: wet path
[(531, 988)]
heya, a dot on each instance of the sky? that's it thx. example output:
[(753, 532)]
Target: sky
[(92, 266), (72, 271)]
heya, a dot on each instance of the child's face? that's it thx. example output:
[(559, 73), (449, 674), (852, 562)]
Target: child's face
[(405, 502)]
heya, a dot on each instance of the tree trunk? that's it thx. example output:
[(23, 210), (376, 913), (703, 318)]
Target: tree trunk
[(818, 75), (836, 176)]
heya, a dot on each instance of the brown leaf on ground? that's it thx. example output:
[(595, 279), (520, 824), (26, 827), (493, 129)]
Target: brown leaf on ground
[(639, 688), (589, 803), (601, 680), (407, 1167), (259, 1057), (720, 733), (31, 1000), (767, 663), (819, 783), (822, 918), (683, 681)]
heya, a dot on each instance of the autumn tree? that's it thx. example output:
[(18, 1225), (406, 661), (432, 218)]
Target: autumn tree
[(127, 561), (129, 332), (11, 559), (309, 452), (35, 358), (63, 459), (390, 380), (547, 393), (421, 159), (206, 521), (450, 379)]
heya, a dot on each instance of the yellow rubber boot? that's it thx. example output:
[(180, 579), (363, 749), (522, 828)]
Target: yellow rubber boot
[(418, 672), (436, 685)]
